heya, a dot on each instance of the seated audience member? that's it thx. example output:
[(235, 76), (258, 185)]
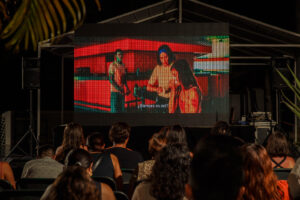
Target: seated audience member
[(260, 182), (73, 184), (156, 143), (119, 136), (44, 166), (79, 158), (294, 181), (278, 150), (96, 142), (105, 163), (73, 139), (216, 170), (169, 175), (220, 128), (144, 169), (6, 173), (176, 134), (167, 135)]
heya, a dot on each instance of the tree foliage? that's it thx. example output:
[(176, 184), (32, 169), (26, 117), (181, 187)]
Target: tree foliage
[(37, 20)]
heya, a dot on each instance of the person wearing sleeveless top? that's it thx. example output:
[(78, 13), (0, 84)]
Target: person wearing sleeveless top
[(278, 149), (260, 181), (161, 76), (118, 80), (185, 94), (73, 138), (6, 173), (107, 163), (119, 135), (75, 181)]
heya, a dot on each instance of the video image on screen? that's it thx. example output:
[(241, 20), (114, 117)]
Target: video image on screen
[(159, 74)]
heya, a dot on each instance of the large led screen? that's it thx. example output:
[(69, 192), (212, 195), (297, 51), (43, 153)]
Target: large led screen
[(169, 71)]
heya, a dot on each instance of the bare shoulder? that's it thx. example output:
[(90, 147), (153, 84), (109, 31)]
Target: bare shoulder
[(5, 165), (107, 192), (59, 150), (290, 159), (114, 158)]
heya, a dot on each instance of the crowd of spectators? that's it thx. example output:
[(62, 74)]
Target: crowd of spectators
[(220, 166)]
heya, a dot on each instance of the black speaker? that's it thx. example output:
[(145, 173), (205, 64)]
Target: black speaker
[(31, 73)]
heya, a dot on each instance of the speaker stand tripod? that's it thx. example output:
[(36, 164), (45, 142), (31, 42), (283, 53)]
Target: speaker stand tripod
[(28, 132)]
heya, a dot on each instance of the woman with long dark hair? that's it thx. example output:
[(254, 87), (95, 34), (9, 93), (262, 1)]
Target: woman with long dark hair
[(75, 181), (73, 139), (161, 75), (169, 175), (185, 96)]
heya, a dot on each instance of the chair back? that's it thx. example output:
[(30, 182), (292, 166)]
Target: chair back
[(107, 180), (120, 195), (5, 185), (34, 183), (126, 175), (21, 195), (282, 173)]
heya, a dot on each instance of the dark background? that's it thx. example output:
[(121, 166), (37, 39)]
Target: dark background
[(14, 98)]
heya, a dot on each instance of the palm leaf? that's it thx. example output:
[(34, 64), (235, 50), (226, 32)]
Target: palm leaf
[(289, 84), (294, 75), (287, 100), (295, 88), (38, 20), (293, 109)]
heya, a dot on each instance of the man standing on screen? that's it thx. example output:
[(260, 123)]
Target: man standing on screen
[(161, 76), (117, 78)]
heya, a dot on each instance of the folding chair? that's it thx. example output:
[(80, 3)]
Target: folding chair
[(34, 183), (126, 176), (282, 173), (21, 195), (120, 195), (107, 180)]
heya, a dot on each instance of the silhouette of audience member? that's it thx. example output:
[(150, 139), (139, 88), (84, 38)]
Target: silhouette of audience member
[(44, 166), (119, 135), (6, 173), (144, 169), (79, 158), (294, 181), (220, 128), (156, 143), (95, 142), (105, 163), (260, 182), (216, 170), (169, 175), (73, 139), (279, 152), (176, 134), (167, 135), (73, 184)]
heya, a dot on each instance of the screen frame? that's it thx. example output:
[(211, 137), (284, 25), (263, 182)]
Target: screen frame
[(148, 30)]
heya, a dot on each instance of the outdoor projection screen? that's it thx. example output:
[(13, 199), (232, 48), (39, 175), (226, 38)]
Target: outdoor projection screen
[(152, 74)]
